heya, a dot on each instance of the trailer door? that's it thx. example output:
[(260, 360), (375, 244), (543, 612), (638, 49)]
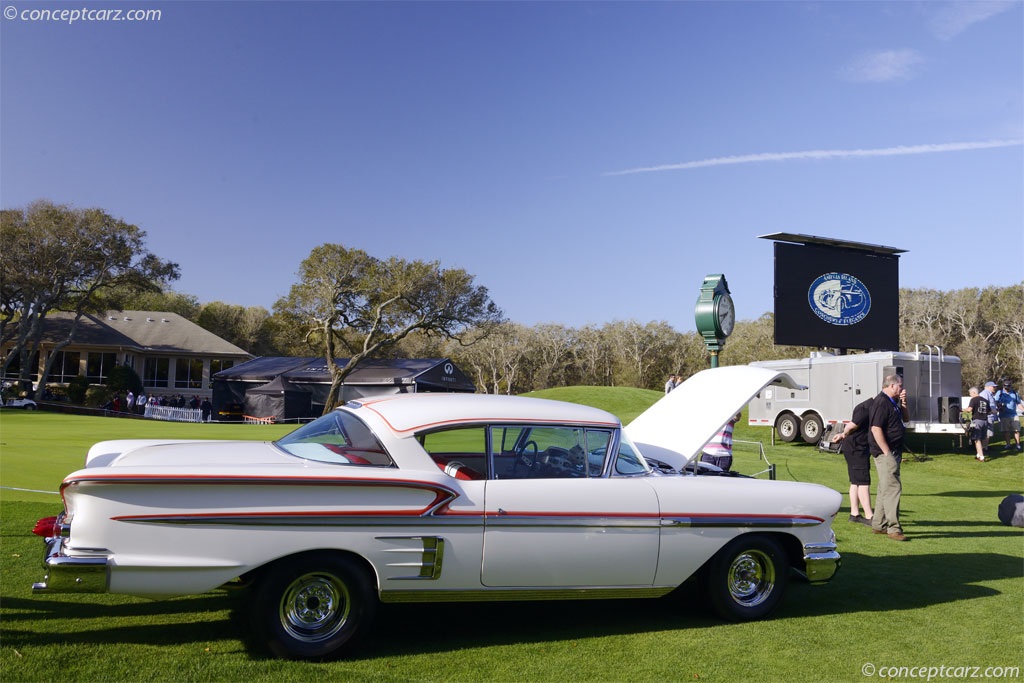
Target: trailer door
[(866, 382)]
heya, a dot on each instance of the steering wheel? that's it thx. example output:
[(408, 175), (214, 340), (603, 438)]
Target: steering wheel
[(524, 459)]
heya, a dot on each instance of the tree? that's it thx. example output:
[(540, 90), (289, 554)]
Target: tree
[(347, 299), (641, 352), (497, 361), (169, 301), (244, 327), (57, 258)]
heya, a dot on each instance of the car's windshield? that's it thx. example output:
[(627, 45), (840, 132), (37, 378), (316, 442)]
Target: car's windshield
[(338, 437)]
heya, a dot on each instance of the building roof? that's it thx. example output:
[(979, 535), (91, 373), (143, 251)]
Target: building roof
[(435, 373), (143, 331)]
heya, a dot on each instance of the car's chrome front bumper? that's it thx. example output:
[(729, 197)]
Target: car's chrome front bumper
[(821, 561), (78, 574)]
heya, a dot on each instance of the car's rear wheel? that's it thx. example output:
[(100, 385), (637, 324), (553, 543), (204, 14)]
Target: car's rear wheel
[(788, 427), (747, 578), (313, 606)]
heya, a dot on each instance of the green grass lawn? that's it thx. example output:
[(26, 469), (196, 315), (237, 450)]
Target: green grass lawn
[(953, 596)]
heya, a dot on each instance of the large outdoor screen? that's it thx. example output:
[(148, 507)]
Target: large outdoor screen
[(836, 297)]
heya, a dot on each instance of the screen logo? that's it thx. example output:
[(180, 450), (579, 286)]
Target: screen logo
[(839, 299)]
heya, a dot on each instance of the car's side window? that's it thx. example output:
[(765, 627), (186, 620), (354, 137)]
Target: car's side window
[(461, 453), (548, 452)]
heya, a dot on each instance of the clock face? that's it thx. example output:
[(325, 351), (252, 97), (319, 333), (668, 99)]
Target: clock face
[(725, 315)]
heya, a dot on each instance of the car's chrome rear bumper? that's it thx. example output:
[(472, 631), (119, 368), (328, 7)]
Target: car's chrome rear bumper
[(77, 574)]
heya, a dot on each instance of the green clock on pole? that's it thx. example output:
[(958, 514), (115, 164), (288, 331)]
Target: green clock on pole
[(714, 314)]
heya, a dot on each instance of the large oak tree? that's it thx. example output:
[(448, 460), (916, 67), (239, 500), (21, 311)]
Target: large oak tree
[(58, 258), (347, 299)]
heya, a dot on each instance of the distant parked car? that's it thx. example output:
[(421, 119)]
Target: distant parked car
[(443, 497), (23, 403)]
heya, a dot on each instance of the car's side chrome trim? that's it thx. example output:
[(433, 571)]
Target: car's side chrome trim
[(575, 520), (307, 519), (430, 552), (726, 520), (402, 518), (505, 594)]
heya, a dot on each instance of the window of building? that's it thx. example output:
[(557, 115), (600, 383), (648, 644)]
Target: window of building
[(65, 366), (156, 372), (188, 373), (218, 364), (98, 366), (14, 369)]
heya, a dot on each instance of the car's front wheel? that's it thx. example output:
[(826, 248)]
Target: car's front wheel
[(747, 578), (312, 606)]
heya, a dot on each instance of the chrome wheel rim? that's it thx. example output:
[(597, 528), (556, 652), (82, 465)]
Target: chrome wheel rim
[(751, 578), (315, 607)]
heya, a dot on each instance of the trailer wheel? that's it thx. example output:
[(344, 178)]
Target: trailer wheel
[(788, 427), (811, 428)]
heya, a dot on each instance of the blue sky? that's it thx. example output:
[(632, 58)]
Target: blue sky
[(586, 161)]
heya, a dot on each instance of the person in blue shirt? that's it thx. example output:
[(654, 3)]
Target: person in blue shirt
[(1009, 403)]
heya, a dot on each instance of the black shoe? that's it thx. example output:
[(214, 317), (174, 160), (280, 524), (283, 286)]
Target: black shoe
[(857, 518), (865, 521)]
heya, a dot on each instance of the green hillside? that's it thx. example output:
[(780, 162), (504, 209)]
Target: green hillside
[(623, 402)]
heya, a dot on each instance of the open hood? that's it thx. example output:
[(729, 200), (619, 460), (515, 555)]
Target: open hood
[(676, 428)]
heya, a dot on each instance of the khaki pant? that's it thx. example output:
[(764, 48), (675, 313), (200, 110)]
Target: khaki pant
[(887, 499)]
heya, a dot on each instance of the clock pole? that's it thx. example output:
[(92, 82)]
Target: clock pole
[(714, 314)]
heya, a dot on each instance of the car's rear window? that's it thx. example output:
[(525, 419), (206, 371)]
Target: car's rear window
[(339, 438)]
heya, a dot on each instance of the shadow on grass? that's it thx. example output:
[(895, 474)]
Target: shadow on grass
[(967, 494), (864, 584)]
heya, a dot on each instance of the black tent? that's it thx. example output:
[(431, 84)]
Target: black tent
[(372, 377), (279, 399)]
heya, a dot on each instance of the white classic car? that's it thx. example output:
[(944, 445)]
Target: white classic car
[(442, 497)]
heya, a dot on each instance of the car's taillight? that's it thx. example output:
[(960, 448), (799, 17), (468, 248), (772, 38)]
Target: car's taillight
[(47, 527)]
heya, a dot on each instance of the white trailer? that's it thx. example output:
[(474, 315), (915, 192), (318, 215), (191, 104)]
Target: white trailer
[(835, 384)]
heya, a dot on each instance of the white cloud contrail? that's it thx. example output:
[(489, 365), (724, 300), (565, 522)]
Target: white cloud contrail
[(823, 154)]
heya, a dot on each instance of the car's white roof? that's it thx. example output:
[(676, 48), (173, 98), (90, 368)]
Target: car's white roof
[(409, 413)]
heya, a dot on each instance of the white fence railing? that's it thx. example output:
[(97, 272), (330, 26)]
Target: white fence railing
[(174, 414)]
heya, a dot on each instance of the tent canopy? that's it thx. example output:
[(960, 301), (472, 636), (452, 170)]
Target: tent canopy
[(279, 399)]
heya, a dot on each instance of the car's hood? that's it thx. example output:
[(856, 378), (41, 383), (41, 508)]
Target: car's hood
[(676, 428), (190, 454)]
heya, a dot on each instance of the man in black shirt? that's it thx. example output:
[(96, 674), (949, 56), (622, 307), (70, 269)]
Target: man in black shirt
[(885, 441)]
